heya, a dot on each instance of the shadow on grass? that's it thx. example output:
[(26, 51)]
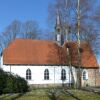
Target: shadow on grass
[(52, 95), (18, 96), (71, 94), (11, 96)]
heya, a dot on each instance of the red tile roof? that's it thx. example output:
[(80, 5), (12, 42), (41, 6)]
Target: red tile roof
[(42, 52), (27, 51), (88, 59)]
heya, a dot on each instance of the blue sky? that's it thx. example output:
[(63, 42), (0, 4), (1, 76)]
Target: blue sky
[(23, 10)]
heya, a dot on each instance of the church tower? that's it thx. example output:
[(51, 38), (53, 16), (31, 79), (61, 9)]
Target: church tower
[(58, 29)]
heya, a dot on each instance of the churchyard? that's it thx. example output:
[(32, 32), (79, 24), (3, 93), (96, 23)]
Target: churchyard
[(52, 94)]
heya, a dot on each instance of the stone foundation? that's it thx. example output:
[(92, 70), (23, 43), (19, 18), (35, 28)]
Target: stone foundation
[(33, 86)]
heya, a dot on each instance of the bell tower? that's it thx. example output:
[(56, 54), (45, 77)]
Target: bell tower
[(58, 28)]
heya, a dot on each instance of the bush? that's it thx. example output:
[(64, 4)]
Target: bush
[(20, 85), (3, 77), (12, 83)]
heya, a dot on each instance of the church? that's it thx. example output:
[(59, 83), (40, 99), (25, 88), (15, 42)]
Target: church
[(46, 63)]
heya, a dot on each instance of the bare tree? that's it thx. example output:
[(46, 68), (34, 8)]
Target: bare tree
[(30, 29), (10, 33), (68, 10), (17, 29)]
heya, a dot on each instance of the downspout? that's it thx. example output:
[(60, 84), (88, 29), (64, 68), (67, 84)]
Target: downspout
[(10, 69)]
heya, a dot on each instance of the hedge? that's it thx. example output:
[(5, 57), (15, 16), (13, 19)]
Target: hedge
[(10, 83)]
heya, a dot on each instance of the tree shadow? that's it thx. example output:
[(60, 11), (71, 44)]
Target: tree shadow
[(18, 96), (71, 94), (12, 98), (52, 94)]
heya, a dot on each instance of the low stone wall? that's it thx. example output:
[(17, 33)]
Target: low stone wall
[(33, 86)]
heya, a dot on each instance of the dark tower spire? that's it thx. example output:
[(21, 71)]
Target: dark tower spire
[(58, 22), (58, 28)]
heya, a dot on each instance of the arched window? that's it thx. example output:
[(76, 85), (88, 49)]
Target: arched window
[(63, 74), (85, 76), (46, 74), (28, 74)]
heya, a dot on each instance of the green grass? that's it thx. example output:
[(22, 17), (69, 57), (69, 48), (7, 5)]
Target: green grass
[(46, 94), (83, 95)]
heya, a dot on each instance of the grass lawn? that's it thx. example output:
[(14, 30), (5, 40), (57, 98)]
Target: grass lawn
[(46, 94), (83, 95)]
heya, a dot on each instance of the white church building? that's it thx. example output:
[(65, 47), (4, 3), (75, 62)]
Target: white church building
[(37, 61), (46, 63)]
